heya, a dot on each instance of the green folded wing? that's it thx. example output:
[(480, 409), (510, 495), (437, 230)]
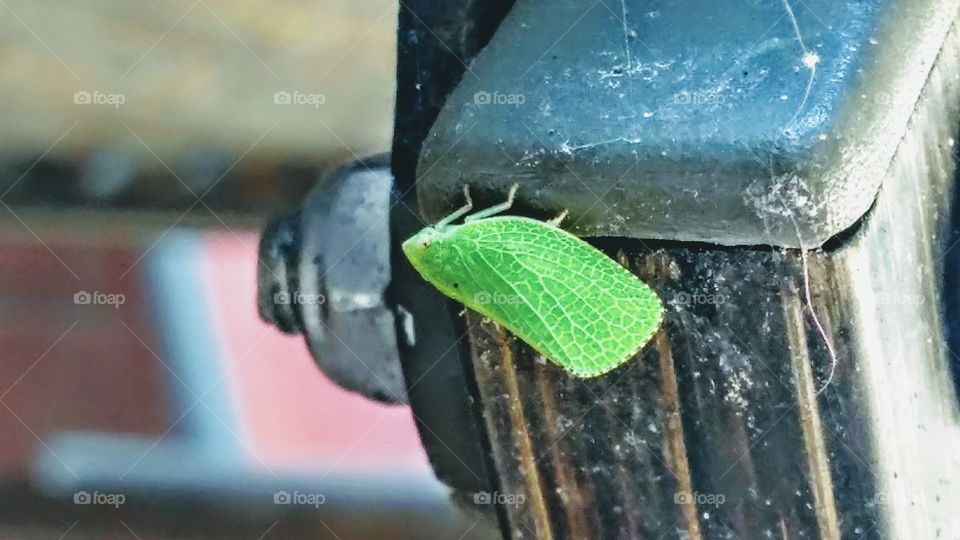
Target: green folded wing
[(565, 298)]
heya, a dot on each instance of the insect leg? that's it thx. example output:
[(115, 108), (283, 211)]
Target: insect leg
[(496, 209), (456, 214), (559, 219)]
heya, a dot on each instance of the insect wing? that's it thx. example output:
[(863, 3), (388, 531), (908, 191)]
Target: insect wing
[(562, 296)]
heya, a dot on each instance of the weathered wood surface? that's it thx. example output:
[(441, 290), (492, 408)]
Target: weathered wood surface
[(733, 423), (198, 74)]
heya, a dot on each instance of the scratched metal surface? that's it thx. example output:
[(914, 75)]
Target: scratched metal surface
[(760, 122)]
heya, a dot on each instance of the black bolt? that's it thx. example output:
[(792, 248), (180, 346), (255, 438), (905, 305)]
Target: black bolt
[(277, 273)]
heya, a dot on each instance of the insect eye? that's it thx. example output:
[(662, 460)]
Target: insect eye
[(424, 243)]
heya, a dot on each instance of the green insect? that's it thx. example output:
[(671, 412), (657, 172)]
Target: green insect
[(566, 299)]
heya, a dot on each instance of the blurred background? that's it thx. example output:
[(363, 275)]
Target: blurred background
[(142, 147)]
